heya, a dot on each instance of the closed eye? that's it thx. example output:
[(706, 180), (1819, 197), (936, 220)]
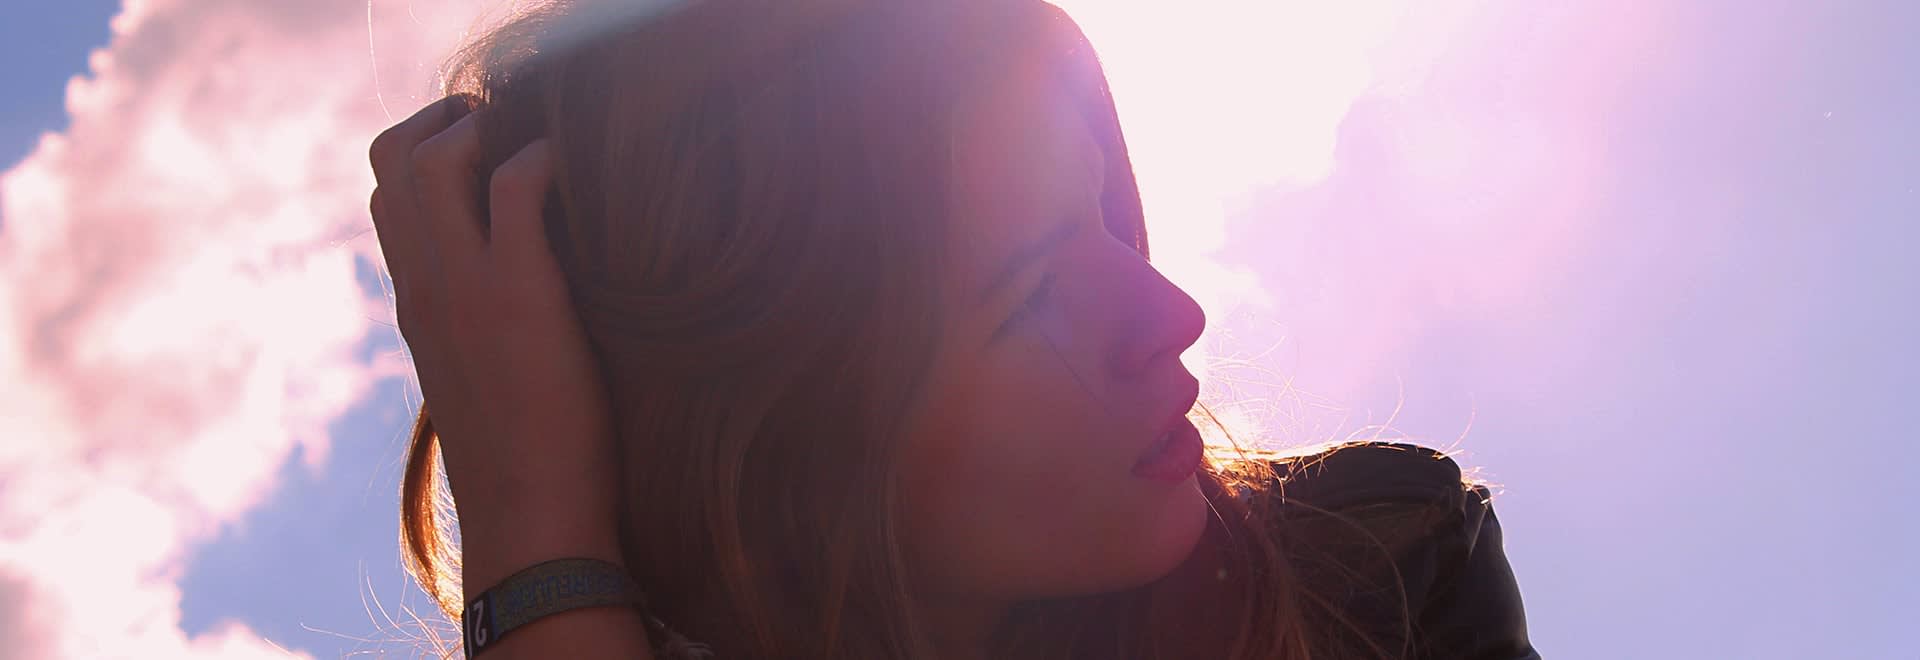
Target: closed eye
[(1034, 302)]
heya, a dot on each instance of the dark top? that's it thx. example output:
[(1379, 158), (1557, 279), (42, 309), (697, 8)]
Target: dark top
[(1404, 553), (1401, 515)]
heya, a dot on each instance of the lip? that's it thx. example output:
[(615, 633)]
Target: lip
[(1177, 449), (1175, 418), (1174, 456)]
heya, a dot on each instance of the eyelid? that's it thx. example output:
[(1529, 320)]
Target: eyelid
[(1037, 292), (1026, 305), (1027, 258)]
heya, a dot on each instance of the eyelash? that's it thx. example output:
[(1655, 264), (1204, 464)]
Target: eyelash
[(1032, 303)]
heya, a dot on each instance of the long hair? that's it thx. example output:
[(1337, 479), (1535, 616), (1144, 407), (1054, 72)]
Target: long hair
[(748, 207)]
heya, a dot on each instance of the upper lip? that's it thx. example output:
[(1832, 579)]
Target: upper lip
[(1189, 394)]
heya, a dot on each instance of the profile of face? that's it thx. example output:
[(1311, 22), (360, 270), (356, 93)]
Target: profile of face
[(1051, 455), (1046, 453)]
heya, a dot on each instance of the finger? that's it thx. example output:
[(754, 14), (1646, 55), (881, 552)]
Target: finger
[(444, 191), (393, 148), (395, 218), (385, 235), (517, 202)]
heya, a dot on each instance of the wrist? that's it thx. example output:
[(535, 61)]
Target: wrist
[(488, 554), (544, 590)]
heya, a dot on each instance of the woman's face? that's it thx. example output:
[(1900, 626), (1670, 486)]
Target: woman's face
[(1036, 466)]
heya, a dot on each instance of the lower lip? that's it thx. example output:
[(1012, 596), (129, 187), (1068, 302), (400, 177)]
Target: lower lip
[(1174, 457)]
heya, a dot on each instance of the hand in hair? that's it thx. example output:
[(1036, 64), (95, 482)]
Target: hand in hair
[(517, 402)]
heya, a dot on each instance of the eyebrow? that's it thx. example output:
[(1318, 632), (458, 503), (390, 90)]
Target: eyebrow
[(1026, 255)]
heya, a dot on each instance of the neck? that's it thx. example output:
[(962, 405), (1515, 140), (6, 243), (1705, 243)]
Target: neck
[(963, 629)]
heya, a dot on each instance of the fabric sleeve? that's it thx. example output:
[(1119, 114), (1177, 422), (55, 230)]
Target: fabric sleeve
[(1436, 536), (1470, 605)]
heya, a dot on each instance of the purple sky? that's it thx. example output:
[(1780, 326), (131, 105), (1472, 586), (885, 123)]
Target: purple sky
[(1649, 270)]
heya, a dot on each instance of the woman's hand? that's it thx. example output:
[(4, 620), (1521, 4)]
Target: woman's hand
[(513, 389)]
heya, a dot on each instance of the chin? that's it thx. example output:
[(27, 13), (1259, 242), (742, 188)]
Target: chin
[(1174, 530)]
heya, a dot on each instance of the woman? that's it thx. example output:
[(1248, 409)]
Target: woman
[(831, 324)]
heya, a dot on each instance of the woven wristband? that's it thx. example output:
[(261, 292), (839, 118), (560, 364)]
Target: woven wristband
[(546, 588)]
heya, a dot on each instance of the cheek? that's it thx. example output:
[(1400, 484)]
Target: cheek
[(1012, 488)]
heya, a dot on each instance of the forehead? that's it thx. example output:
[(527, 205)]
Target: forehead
[(1024, 161)]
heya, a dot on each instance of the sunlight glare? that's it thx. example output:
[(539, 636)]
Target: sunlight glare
[(1220, 98)]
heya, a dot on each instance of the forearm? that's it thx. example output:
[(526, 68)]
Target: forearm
[(591, 633)]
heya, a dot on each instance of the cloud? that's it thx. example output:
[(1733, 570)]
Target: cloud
[(1219, 97), (1463, 181), (1334, 180), (1223, 100), (179, 308)]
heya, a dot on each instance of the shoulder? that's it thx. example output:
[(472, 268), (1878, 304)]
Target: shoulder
[(1396, 532), (1389, 492), (1371, 473), (1373, 506)]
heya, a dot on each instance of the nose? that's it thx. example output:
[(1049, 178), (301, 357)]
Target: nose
[(1162, 324)]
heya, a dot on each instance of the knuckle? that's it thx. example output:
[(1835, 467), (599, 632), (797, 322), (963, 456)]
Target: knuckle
[(511, 181), (521, 178), (428, 168), (436, 161), (387, 147), (427, 153), (446, 149)]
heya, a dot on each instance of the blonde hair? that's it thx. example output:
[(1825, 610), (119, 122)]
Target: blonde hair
[(748, 202)]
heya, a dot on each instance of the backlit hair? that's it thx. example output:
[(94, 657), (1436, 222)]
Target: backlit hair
[(749, 201)]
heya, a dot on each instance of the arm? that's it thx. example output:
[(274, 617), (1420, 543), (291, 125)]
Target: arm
[(587, 634), (1473, 608), (1441, 538), (515, 393)]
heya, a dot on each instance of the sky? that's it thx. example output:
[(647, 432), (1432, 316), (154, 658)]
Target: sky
[(1645, 266)]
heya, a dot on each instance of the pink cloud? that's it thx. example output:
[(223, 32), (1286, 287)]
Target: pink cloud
[(1223, 102), (179, 309), (1388, 167), (1465, 177), (178, 301)]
